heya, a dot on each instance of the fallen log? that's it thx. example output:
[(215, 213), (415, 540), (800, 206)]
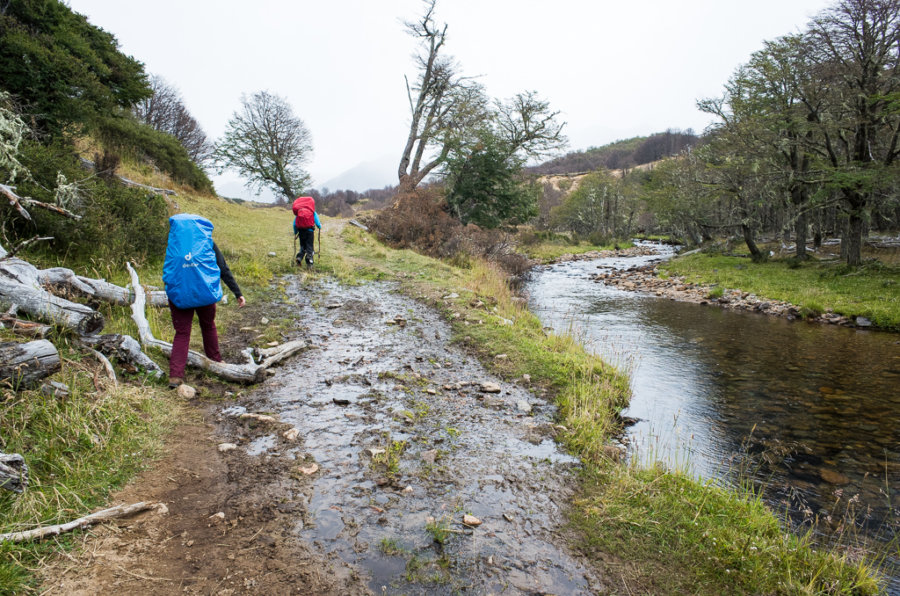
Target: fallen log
[(59, 278), (83, 522), (21, 327), (126, 350), (25, 364), (13, 472), (20, 285), (249, 372)]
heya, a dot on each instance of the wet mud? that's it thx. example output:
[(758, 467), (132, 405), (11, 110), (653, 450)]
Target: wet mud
[(406, 442)]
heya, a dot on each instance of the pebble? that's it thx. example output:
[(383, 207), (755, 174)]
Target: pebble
[(186, 391), (471, 520)]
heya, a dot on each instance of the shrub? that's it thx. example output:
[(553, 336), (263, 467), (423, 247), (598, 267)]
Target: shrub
[(418, 220), (116, 221)]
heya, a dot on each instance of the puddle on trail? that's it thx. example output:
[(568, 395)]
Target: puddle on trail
[(450, 451)]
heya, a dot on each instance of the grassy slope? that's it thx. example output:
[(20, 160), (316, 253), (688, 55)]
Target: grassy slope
[(670, 534), (872, 291)]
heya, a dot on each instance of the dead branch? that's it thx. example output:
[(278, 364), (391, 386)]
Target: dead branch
[(21, 327), (83, 522), (20, 284), (25, 364), (60, 278), (250, 372), (110, 371), (20, 202), (126, 350)]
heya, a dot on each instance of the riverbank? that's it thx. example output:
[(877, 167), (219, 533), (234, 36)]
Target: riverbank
[(824, 291)]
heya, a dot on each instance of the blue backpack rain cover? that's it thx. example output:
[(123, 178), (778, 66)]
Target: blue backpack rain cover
[(190, 271)]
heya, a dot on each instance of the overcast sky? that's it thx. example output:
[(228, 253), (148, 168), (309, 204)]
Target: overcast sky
[(613, 69)]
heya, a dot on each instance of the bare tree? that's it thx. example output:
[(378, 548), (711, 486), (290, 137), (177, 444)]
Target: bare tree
[(442, 103), (165, 111), (267, 144)]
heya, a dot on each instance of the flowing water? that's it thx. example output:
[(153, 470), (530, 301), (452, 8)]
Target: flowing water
[(811, 412)]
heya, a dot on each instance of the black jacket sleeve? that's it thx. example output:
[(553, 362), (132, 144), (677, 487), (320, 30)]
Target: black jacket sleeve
[(225, 273)]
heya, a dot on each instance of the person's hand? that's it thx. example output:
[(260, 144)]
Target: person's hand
[(241, 302)]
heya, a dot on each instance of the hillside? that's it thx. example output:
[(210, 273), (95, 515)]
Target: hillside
[(623, 154)]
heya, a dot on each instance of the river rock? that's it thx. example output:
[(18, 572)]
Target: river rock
[(833, 477), (863, 322)]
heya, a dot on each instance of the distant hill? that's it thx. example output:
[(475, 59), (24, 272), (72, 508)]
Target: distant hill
[(619, 155)]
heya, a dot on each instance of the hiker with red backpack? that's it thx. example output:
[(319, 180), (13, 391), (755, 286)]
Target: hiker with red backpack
[(192, 272), (306, 221)]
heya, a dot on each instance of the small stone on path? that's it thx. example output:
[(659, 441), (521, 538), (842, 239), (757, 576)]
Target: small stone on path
[(226, 447), (488, 387), (523, 406), (310, 469), (291, 434), (471, 520), (429, 456), (186, 391)]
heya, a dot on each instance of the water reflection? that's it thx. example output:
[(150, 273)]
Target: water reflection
[(809, 410)]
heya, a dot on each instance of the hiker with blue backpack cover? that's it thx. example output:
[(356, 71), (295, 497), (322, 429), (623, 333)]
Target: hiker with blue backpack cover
[(306, 221), (192, 272)]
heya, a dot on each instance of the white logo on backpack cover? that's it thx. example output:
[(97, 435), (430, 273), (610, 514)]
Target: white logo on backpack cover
[(188, 258)]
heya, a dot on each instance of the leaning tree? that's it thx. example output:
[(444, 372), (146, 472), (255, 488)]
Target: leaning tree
[(267, 144)]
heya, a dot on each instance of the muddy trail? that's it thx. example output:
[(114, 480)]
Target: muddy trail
[(403, 438)]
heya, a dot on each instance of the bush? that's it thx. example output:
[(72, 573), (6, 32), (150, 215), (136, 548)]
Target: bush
[(116, 221), (418, 220)]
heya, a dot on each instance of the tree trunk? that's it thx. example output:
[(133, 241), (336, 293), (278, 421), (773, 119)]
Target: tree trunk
[(755, 254), (59, 278), (127, 352), (24, 365), (13, 472), (20, 285), (801, 230), (854, 239)]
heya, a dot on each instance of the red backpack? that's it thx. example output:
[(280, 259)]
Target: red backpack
[(304, 208)]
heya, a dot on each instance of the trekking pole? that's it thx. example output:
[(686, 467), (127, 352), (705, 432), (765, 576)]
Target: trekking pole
[(294, 252), (320, 243)]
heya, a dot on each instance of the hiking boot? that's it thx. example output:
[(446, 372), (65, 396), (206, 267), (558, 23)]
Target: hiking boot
[(309, 264), (175, 382)]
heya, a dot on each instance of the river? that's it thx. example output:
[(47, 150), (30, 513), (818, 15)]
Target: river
[(809, 412)]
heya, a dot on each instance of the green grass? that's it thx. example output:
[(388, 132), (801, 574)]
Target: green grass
[(548, 250), (871, 291), (697, 538), (78, 449)]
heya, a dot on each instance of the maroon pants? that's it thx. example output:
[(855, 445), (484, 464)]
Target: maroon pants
[(183, 320)]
